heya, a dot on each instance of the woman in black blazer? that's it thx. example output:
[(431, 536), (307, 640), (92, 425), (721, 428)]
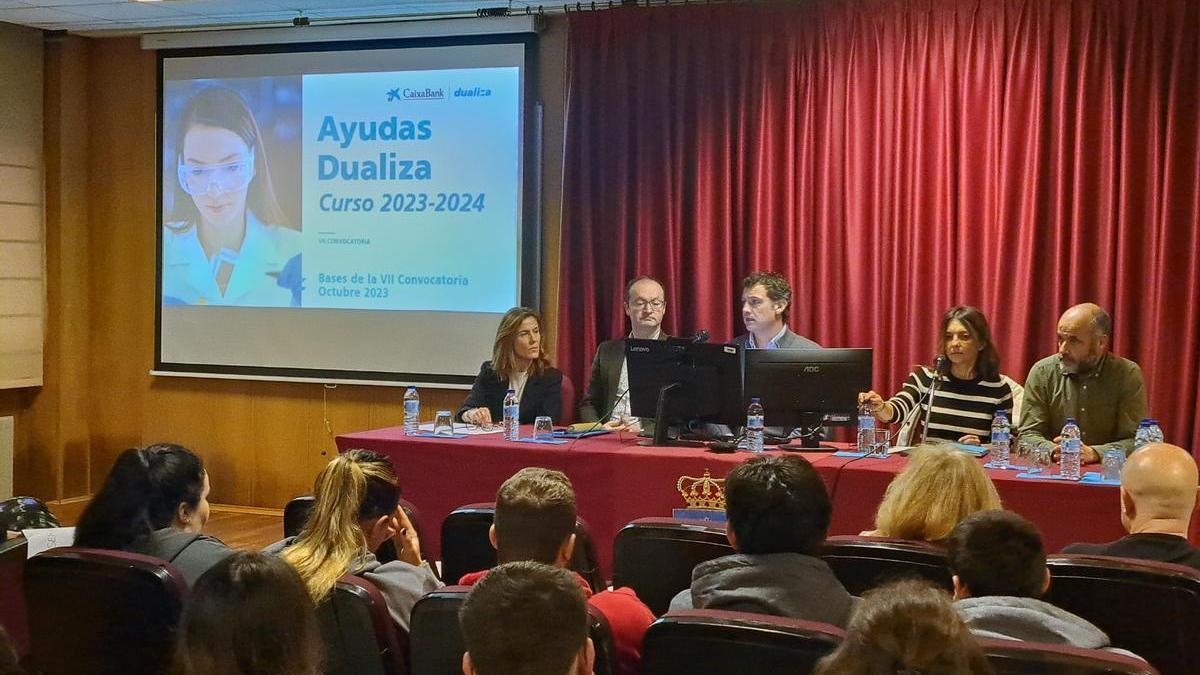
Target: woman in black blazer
[(518, 361)]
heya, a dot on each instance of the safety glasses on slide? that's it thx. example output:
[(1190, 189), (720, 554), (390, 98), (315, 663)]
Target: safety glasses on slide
[(202, 179)]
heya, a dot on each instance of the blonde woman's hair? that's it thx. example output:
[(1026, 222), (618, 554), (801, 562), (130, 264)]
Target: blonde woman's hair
[(504, 358), (357, 485), (940, 486)]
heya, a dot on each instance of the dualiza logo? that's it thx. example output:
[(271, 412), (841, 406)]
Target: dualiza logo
[(472, 91)]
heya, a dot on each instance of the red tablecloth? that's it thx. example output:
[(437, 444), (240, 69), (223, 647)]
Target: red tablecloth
[(617, 481)]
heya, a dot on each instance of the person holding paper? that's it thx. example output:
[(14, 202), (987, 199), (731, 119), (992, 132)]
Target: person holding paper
[(608, 387), (518, 363), (967, 396), (227, 243)]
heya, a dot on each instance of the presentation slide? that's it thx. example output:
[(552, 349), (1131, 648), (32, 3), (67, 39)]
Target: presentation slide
[(353, 212)]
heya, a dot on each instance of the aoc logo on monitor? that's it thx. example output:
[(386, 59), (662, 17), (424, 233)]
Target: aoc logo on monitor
[(810, 369)]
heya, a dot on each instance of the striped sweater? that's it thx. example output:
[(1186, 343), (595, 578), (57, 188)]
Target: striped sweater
[(960, 407)]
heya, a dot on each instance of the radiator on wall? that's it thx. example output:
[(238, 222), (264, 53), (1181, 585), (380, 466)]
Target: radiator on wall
[(6, 457)]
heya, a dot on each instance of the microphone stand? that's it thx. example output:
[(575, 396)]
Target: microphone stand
[(933, 387)]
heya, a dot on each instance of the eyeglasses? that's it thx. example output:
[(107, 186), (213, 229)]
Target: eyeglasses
[(652, 304), (227, 177)]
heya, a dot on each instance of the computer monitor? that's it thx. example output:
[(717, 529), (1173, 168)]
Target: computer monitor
[(807, 388), (675, 381)]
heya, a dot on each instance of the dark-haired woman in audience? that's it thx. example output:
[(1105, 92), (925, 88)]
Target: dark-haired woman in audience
[(154, 501), (518, 363), (356, 511), (906, 627), (967, 397), (249, 615)]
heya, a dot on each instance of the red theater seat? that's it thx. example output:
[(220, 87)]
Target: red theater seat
[(1011, 657), (360, 636), (862, 563), (1150, 608), (713, 642), (12, 594), (436, 646), (101, 612), (466, 547), (655, 556)]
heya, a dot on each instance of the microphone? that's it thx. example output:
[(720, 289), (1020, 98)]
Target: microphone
[(941, 364), (700, 337)]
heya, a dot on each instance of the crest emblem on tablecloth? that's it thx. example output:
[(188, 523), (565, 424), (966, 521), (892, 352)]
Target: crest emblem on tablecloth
[(704, 496)]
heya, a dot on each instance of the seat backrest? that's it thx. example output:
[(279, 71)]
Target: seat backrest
[(436, 644), (655, 556), (98, 611), (568, 402), (466, 547), (1013, 657), (1149, 608), (700, 642), (359, 634), (862, 563), (12, 593)]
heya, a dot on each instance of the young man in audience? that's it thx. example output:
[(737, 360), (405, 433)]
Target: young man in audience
[(1158, 495), (535, 520), (526, 617), (1000, 573), (778, 513)]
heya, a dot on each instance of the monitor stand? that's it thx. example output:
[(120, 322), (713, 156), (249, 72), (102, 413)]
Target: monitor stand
[(661, 437), (810, 425)]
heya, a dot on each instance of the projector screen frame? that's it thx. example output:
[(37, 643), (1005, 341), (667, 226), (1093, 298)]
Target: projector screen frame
[(530, 188)]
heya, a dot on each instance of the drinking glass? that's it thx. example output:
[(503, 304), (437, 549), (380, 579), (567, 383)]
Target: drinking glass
[(543, 428), (1040, 458), (1114, 461), (443, 423), (883, 442)]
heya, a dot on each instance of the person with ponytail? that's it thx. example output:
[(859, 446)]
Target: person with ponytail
[(355, 512), (155, 502)]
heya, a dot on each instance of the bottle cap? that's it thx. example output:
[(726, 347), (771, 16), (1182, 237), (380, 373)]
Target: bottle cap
[(756, 400), (1071, 420)]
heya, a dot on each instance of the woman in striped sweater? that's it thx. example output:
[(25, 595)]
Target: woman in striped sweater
[(968, 397)]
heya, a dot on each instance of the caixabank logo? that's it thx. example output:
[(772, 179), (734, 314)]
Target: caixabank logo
[(416, 94)]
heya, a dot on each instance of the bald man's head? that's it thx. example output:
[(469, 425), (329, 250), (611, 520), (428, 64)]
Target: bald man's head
[(1158, 485), (1083, 336)]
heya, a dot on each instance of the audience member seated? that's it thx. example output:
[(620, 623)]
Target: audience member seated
[(526, 617), (356, 511), (938, 487), (249, 615), (155, 502), (1158, 495), (535, 520), (908, 626), (778, 514), (1000, 573), (519, 362)]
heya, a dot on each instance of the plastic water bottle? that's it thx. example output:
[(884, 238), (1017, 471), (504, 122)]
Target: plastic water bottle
[(412, 411), (1142, 435), (1000, 446), (1071, 449), (866, 428), (754, 426), (512, 416), (1155, 432)]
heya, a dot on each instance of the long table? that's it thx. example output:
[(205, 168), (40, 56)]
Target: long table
[(617, 481)]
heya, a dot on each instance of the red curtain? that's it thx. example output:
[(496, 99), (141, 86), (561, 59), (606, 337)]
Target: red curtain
[(893, 158)]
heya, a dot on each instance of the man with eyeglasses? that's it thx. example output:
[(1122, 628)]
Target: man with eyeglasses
[(608, 386)]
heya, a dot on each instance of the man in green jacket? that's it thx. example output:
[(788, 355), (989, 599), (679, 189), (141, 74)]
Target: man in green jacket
[(1103, 392)]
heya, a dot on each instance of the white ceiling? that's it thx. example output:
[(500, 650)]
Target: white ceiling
[(128, 16)]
